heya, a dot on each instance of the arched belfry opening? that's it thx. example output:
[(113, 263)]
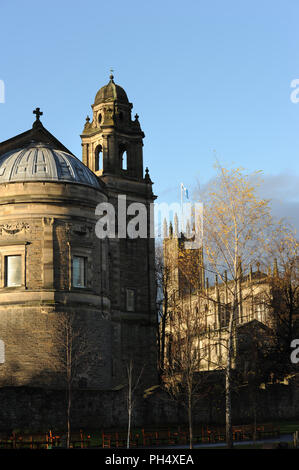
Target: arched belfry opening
[(125, 160), (120, 136), (123, 156), (98, 158)]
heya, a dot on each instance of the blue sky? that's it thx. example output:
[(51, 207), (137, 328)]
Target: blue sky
[(206, 78)]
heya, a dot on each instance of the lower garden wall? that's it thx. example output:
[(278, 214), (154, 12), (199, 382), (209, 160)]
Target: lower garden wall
[(33, 409)]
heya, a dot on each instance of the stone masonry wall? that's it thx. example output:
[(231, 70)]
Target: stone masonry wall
[(34, 409)]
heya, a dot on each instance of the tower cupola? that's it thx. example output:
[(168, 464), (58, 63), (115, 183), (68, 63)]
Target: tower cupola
[(112, 140)]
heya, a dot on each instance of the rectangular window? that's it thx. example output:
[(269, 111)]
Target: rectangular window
[(13, 270), (130, 300), (2, 352), (79, 271)]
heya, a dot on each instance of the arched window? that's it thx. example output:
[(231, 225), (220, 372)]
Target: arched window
[(123, 154), (125, 161), (98, 158)]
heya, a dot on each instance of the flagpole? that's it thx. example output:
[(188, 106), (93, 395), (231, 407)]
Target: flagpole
[(182, 207)]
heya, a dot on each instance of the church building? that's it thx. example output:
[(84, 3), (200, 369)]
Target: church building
[(52, 263)]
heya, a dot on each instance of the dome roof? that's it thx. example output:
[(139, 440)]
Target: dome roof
[(40, 162), (111, 92)]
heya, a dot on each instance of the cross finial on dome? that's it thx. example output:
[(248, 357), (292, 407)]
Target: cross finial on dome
[(38, 113), (111, 74)]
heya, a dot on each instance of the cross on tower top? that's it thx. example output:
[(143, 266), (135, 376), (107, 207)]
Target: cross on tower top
[(38, 113)]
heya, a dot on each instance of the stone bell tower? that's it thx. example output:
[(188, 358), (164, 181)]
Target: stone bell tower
[(112, 141), (112, 144)]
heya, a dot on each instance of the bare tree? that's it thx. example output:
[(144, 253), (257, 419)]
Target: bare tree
[(237, 230), (284, 281), (164, 292), (182, 371), (70, 354), (236, 225), (282, 298), (255, 363)]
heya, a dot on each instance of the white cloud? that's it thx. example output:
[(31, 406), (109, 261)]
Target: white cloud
[(283, 191)]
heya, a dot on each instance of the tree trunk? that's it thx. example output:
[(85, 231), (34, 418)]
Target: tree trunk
[(129, 428), (228, 419), (129, 401), (162, 351), (68, 440), (228, 379), (254, 418), (290, 316), (190, 421), (69, 345)]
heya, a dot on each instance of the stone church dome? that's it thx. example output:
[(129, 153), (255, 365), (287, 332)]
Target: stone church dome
[(111, 92), (41, 162)]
